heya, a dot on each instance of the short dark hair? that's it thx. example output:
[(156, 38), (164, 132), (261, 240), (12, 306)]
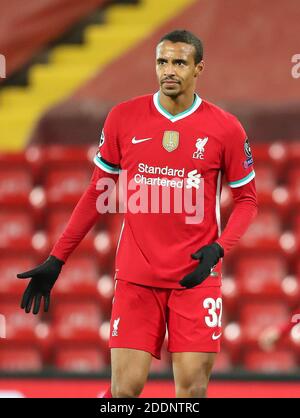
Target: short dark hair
[(188, 38)]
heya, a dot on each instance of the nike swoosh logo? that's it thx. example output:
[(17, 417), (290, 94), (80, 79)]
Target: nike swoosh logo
[(215, 337), (137, 141)]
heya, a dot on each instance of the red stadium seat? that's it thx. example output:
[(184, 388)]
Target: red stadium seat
[(274, 154), (269, 192), (66, 185), (294, 184), (230, 295), (232, 340), (297, 270), (260, 276), (17, 159), (58, 156), (263, 233), (76, 321), (265, 182), (291, 340), (223, 362), (277, 361), (10, 286), (294, 152), (16, 231), (105, 292), (104, 333), (105, 246), (78, 277), (296, 229), (21, 359), (15, 186), (20, 327), (255, 317), (84, 359)]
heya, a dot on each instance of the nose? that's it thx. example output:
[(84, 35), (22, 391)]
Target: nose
[(169, 69)]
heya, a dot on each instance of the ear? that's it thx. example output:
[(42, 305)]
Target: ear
[(199, 68)]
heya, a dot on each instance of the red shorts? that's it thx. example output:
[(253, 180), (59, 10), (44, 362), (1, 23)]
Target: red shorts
[(140, 315)]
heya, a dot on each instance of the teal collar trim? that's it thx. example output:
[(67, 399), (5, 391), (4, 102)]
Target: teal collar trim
[(174, 118)]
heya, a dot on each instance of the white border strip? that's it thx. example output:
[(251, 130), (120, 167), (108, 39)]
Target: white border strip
[(243, 181), (181, 115), (104, 167)]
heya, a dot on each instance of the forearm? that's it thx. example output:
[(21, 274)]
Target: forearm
[(244, 211), (83, 218)]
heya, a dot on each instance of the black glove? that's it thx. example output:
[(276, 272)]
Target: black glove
[(43, 279), (208, 257)]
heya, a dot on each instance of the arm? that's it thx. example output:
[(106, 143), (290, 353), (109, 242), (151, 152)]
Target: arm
[(237, 164), (84, 216), (244, 211), (44, 276)]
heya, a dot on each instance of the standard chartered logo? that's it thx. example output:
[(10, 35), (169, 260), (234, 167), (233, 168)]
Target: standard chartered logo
[(177, 177), (193, 179)]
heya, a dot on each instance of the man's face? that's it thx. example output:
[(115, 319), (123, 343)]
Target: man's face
[(175, 67)]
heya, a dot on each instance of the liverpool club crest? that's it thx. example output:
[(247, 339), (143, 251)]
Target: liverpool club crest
[(200, 144)]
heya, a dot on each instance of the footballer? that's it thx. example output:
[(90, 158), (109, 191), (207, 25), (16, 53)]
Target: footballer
[(168, 266)]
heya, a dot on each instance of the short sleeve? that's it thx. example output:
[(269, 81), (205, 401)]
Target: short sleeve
[(237, 157), (108, 155)]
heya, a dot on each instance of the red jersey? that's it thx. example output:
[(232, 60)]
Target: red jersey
[(182, 156)]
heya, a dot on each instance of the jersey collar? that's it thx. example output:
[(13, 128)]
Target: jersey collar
[(174, 118)]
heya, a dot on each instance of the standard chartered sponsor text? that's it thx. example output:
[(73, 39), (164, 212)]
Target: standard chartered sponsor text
[(159, 181)]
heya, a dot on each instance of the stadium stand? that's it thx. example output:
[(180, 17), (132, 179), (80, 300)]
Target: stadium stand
[(265, 286), (22, 38), (86, 360), (20, 359), (71, 65), (282, 361)]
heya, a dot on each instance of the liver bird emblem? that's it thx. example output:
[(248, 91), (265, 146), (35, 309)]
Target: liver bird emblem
[(200, 144)]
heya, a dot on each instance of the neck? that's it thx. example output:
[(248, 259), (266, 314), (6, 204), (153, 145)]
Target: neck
[(175, 105)]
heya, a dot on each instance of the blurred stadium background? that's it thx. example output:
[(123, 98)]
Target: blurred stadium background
[(67, 63)]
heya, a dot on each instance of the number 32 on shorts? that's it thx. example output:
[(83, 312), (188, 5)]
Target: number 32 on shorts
[(213, 305)]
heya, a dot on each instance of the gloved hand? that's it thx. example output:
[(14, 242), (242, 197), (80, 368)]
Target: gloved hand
[(43, 278), (208, 257)]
